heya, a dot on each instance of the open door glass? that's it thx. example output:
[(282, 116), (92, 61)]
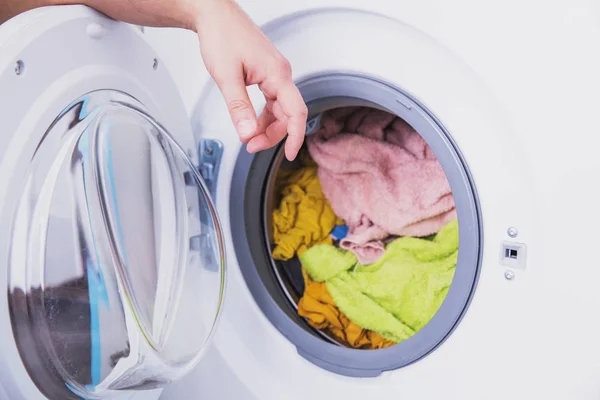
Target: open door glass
[(117, 263)]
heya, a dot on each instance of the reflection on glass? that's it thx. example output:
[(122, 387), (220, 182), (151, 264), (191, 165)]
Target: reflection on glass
[(108, 290)]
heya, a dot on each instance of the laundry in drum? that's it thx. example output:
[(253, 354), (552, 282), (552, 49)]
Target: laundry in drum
[(304, 217), (321, 312), (368, 219), (397, 295), (381, 177)]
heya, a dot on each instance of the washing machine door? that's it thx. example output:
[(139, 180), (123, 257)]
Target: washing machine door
[(112, 252)]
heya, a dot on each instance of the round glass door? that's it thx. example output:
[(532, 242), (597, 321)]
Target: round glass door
[(117, 265)]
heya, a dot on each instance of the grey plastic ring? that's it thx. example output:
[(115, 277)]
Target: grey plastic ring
[(247, 205)]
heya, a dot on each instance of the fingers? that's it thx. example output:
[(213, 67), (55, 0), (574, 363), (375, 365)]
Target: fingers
[(292, 105), (273, 135), (265, 119), (286, 114), (239, 106)]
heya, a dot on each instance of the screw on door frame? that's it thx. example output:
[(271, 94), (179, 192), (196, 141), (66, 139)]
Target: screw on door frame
[(19, 67)]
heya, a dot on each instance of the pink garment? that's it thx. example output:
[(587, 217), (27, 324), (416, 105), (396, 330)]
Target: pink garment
[(381, 177)]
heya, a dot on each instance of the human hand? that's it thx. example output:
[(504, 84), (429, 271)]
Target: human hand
[(237, 54)]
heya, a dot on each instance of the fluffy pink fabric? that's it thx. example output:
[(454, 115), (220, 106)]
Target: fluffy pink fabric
[(381, 177)]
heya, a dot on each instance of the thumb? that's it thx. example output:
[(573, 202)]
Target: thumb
[(239, 106)]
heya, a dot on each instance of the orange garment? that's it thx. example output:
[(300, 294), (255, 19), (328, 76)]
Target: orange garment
[(319, 309)]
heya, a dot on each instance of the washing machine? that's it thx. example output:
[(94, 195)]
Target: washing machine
[(504, 93), (148, 203)]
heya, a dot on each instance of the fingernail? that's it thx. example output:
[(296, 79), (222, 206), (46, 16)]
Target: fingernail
[(246, 127), (250, 148), (290, 155)]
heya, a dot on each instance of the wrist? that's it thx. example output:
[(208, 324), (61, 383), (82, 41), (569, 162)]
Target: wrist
[(198, 12), (209, 10)]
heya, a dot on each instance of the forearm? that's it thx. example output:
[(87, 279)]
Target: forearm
[(161, 13)]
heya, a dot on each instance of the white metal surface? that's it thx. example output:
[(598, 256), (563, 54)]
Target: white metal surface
[(515, 83)]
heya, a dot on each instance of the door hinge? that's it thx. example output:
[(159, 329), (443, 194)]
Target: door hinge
[(210, 152), (209, 157)]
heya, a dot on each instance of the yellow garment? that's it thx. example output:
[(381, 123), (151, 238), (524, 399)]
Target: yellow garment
[(304, 218), (319, 309)]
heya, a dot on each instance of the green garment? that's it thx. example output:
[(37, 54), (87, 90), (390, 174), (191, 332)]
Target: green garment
[(397, 295)]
